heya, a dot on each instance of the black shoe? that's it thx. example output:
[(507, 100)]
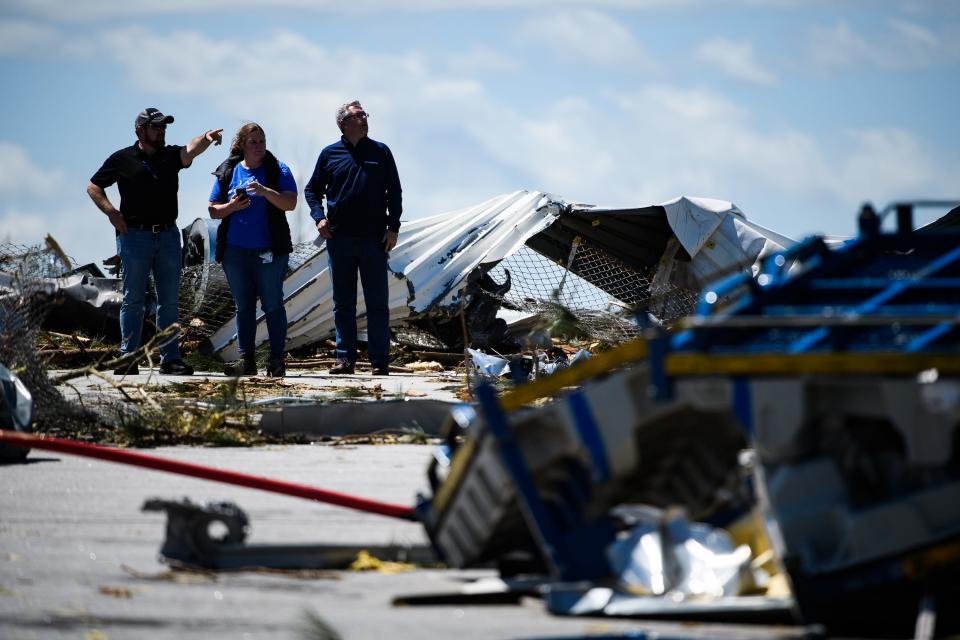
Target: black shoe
[(342, 367), (275, 369), (176, 368), (129, 369), (380, 370), (242, 367)]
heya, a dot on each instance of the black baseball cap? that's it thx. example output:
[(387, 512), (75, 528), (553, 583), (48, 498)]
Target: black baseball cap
[(152, 116)]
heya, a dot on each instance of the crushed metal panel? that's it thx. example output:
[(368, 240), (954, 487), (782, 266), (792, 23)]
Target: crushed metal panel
[(436, 256), (656, 258), (80, 302), (635, 237), (703, 239), (432, 260), (610, 431)]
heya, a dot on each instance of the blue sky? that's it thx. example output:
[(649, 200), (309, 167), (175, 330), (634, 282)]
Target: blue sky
[(796, 110)]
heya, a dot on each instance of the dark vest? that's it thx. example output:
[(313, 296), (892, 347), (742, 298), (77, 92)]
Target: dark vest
[(280, 242)]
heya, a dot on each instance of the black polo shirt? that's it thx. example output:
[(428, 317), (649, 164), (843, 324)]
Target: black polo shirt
[(148, 184)]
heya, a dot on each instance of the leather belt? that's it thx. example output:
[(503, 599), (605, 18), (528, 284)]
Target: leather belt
[(153, 228)]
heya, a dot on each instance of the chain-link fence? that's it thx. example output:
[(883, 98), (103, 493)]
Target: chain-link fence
[(86, 403), (602, 293), (27, 294), (599, 295), (205, 299), (599, 292)]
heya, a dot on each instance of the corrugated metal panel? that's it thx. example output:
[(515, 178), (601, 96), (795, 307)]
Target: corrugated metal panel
[(432, 258), (716, 235), (435, 255)]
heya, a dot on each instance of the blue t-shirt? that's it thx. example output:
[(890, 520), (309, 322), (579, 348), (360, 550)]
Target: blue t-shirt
[(248, 227)]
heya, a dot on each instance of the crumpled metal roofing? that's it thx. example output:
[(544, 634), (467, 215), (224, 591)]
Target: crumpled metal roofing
[(718, 237), (432, 259), (435, 255)]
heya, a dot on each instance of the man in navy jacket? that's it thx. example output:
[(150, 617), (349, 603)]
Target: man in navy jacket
[(358, 178)]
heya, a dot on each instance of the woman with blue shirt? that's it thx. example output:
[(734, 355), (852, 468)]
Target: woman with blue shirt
[(251, 195)]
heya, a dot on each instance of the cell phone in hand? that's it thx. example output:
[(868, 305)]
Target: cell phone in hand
[(242, 193)]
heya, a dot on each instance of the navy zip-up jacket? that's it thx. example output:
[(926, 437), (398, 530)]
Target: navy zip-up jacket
[(360, 184)]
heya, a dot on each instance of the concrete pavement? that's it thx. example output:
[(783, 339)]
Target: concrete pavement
[(77, 555)]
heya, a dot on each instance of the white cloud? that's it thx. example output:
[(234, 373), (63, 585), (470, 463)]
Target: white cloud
[(662, 141), (838, 46), (105, 9), (282, 60), (646, 146), (887, 164), (24, 37), (38, 200), (457, 144), (588, 35), (920, 38), (901, 46), (20, 177), (736, 59), (83, 233), (701, 129), (23, 229), (481, 59)]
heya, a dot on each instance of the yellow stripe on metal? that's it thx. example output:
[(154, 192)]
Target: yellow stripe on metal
[(691, 364), (918, 565), (597, 365), (458, 466)]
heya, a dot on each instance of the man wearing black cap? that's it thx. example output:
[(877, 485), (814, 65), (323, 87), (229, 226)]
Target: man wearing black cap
[(146, 174)]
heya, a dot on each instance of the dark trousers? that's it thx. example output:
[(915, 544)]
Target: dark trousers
[(141, 253), (366, 257), (251, 278)]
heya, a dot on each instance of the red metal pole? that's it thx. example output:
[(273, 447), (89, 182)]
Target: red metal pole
[(137, 459)]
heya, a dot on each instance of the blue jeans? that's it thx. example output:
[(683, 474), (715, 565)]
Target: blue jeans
[(250, 277), (347, 257), (142, 252)]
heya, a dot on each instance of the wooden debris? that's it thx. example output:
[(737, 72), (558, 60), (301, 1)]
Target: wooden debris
[(440, 356), (429, 365), (116, 592)]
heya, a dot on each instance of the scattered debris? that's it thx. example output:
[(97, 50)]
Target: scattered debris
[(838, 363), (313, 627), (455, 274), (177, 574), (663, 554), (421, 366), (116, 592), (190, 543), (16, 412), (862, 363), (488, 366), (366, 562)]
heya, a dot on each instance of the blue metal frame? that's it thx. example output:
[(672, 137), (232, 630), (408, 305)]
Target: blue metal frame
[(874, 277), (572, 547)]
